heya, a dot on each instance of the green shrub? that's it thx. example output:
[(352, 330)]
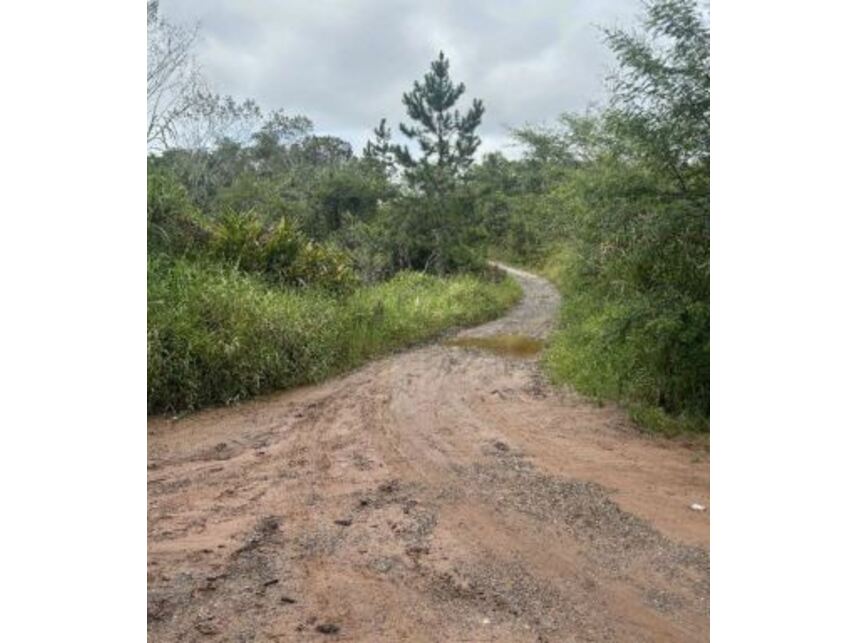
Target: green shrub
[(237, 240), (323, 266), (281, 251), (172, 222), (281, 255), (647, 348), (340, 193), (253, 193)]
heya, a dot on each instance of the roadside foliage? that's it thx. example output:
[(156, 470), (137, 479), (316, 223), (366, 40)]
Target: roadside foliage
[(277, 255), (613, 205), (280, 258)]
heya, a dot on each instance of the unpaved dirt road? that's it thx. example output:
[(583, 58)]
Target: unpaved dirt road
[(441, 494)]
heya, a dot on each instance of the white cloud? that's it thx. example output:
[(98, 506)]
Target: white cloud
[(345, 64)]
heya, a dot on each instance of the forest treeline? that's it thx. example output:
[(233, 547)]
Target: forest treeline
[(279, 255)]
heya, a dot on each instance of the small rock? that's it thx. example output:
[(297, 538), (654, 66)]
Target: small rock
[(416, 550), (157, 609), (697, 507), (389, 487), (287, 599), (272, 581), (343, 522), (327, 628), (208, 628)]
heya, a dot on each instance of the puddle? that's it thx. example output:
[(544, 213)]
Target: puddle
[(513, 345)]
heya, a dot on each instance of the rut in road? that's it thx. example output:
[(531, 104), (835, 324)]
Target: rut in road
[(441, 494)]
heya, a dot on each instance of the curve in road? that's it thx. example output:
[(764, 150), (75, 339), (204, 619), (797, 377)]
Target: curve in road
[(441, 494)]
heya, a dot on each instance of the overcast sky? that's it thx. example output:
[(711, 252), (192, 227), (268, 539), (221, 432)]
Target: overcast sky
[(346, 63)]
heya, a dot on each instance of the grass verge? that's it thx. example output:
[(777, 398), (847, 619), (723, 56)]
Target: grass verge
[(216, 336), (597, 350)]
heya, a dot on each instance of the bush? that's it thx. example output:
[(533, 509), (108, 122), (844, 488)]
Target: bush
[(172, 223), (282, 255), (637, 290), (436, 234), (340, 193), (369, 245), (237, 239), (217, 335), (323, 266), (253, 193), (616, 340)]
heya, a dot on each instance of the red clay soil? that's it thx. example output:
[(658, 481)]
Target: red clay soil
[(441, 494)]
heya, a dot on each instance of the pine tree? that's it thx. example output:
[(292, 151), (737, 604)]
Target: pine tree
[(447, 138), (378, 153)]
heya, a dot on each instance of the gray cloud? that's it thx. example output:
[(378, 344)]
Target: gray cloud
[(346, 63)]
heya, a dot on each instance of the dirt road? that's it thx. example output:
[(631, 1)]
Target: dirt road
[(442, 494)]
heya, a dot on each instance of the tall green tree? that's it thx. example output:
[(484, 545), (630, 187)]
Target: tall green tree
[(446, 138), (378, 153), (660, 93)]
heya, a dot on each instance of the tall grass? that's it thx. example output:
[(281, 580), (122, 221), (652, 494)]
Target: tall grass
[(629, 347), (216, 335)]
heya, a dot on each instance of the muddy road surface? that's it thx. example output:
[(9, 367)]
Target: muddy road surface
[(448, 493)]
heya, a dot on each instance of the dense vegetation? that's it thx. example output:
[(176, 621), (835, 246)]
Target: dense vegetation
[(614, 206), (278, 256), (217, 335)]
